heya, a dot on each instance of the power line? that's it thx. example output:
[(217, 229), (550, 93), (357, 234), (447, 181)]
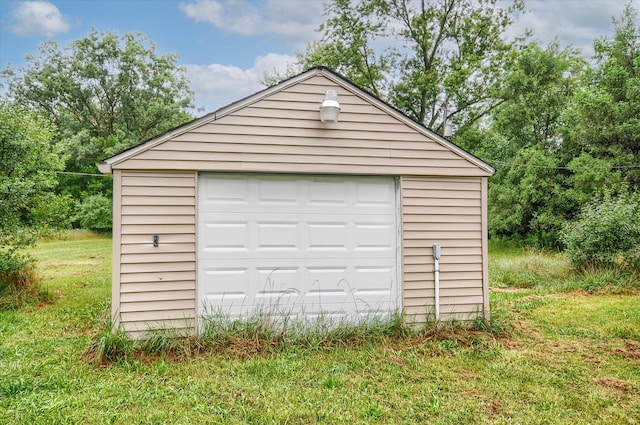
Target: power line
[(80, 174), (549, 167)]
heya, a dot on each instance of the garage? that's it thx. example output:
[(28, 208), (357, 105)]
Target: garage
[(297, 246), (311, 198)]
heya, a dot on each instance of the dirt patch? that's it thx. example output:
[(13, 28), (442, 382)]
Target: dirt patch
[(618, 386), (559, 347), (591, 359), (458, 338), (508, 290), (617, 291), (631, 350), (493, 408), (44, 304), (467, 374), (398, 360), (578, 293), (509, 344), (524, 328)]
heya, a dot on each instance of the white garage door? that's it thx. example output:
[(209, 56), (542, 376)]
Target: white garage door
[(294, 245)]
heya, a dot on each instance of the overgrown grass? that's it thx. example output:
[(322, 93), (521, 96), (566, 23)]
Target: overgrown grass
[(544, 272), (19, 283), (568, 357), (259, 336)]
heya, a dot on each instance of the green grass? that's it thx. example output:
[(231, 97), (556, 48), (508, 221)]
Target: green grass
[(568, 356)]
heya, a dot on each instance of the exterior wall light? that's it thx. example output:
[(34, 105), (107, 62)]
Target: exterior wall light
[(330, 108)]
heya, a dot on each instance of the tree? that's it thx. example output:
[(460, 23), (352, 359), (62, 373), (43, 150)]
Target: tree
[(538, 87), (105, 93), (528, 202), (443, 58), (28, 166), (529, 197), (28, 163), (604, 117)]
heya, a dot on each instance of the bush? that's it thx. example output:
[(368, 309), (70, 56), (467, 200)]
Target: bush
[(606, 234), (16, 270), (19, 284), (95, 213)]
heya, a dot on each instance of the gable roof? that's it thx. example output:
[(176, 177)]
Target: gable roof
[(106, 166)]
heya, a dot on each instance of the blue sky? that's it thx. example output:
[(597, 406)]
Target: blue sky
[(227, 45)]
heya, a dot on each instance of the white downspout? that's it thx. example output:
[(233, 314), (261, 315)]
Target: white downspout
[(437, 250)]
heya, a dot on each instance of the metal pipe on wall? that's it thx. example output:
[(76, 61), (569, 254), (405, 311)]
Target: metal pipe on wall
[(437, 251)]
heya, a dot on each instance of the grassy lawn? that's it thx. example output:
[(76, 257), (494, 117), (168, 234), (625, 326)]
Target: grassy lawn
[(571, 355)]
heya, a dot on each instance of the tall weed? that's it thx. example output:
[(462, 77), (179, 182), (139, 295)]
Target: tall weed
[(19, 283), (110, 343), (531, 269)]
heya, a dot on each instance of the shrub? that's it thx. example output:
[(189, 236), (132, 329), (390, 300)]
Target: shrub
[(605, 234), (19, 284), (95, 213), (16, 270)]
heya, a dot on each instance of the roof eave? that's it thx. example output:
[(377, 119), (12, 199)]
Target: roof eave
[(104, 168)]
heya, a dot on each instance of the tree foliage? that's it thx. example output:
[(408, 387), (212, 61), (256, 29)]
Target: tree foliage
[(606, 233), (528, 198), (105, 93), (443, 60), (28, 163), (604, 118), (95, 213), (28, 166)]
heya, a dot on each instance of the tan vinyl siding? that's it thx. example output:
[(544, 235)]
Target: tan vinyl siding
[(448, 211), (157, 285), (283, 132)]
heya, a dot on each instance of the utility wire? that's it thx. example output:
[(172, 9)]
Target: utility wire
[(494, 161), (605, 167), (80, 174)]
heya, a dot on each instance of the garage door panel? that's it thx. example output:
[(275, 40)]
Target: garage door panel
[(375, 195), (220, 280), (327, 194), (374, 277), (328, 236), (232, 192), (306, 246), (277, 192), (225, 235), (278, 235), (320, 195)]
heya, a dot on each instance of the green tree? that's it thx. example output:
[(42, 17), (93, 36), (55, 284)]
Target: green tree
[(443, 59), (528, 202), (538, 87), (105, 93), (28, 163), (605, 123), (28, 166), (528, 197)]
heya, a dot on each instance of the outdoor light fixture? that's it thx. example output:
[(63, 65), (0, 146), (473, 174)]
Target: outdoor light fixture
[(330, 108)]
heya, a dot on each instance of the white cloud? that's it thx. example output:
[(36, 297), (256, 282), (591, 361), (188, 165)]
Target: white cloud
[(236, 16), (294, 18), (38, 18), (573, 22), (217, 85)]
